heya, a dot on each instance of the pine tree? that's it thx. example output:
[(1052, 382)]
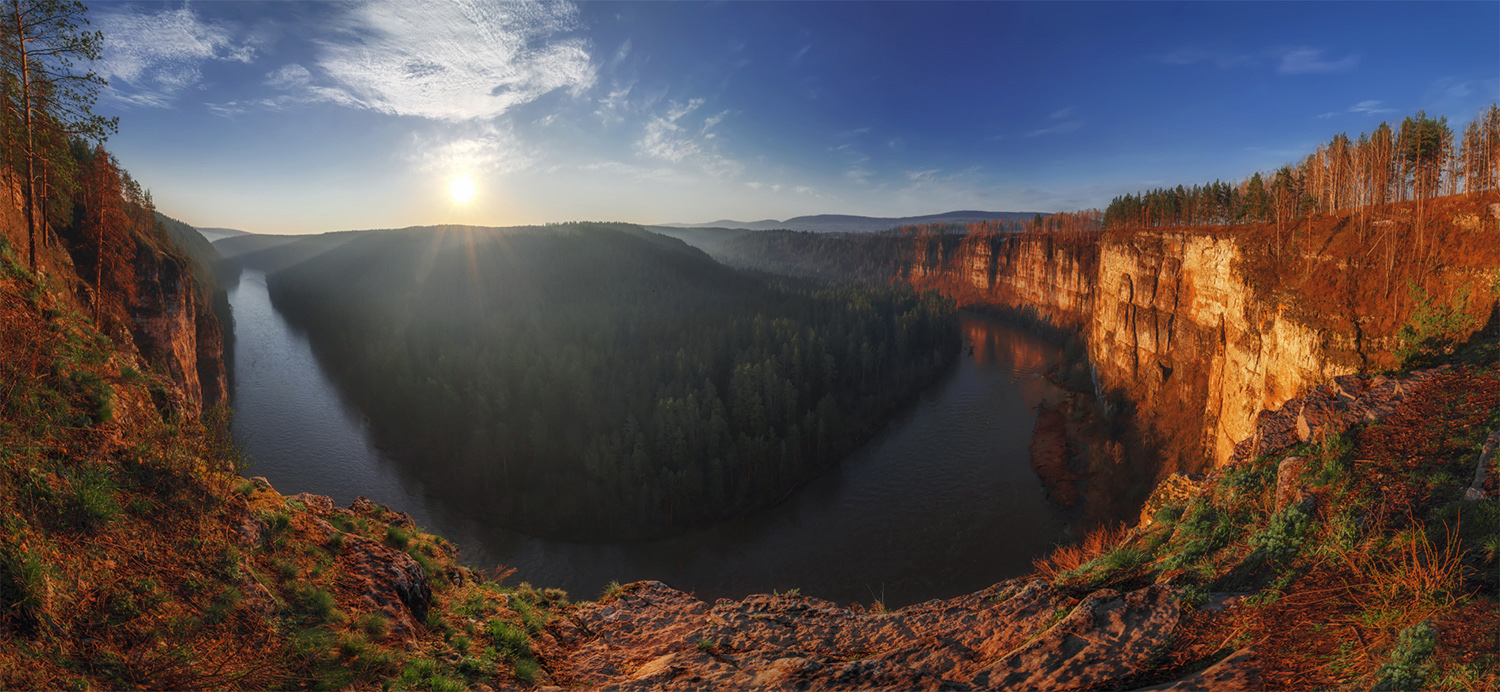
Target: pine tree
[(46, 98)]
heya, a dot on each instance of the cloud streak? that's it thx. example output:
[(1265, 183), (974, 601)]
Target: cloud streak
[(668, 137), (1063, 120), (1312, 61), (151, 58), (457, 60)]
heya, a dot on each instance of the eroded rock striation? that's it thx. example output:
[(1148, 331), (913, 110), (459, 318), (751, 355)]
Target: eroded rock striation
[(1013, 635)]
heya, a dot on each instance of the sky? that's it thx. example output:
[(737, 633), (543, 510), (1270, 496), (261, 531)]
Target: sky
[(298, 117)]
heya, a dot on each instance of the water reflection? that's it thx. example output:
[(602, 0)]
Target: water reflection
[(941, 503)]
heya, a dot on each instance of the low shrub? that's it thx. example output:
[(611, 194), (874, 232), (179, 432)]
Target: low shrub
[(1407, 669), (1282, 538)]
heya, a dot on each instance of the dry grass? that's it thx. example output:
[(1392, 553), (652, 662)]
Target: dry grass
[(1097, 543)]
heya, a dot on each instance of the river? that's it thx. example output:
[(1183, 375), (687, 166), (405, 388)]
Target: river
[(942, 502)]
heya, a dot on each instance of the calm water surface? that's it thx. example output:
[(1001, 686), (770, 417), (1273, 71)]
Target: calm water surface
[(941, 503)]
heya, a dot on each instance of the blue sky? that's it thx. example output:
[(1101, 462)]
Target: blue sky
[(290, 117)]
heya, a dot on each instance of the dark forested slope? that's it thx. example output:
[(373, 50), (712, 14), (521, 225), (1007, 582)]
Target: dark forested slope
[(598, 380)]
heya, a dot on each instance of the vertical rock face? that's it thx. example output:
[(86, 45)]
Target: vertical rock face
[(174, 329), (1168, 318), (1178, 328)]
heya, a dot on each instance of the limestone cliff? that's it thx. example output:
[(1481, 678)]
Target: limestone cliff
[(174, 327), (1202, 330)]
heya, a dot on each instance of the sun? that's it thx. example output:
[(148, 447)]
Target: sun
[(461, 189)]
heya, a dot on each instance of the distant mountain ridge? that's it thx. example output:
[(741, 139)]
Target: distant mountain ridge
[(846, 223)]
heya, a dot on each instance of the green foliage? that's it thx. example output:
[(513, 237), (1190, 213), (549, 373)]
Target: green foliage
[(372, 625), (1125, 559), (1406, 669), (1203, 531), (611, 590), (91, 503), (222, 606), (1283, 536), (525, 670), (397, 537), (1168, 515), (312, 604), (510, 641), (1432, 330), (474, 668), (22, 585)]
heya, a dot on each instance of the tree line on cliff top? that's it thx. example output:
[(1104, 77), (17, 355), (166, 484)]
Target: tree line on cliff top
[(1415, 161)]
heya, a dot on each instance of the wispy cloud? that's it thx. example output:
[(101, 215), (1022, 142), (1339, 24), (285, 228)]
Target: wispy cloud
[(1366, 107), (1370, 107), (1193, 56), (800, 54), (612, 107), (295, 83), (669, 138), (1312, 60), (1063, 120), (621, 54), (456, 61), (486, 148), (922, 175), (151, 58)]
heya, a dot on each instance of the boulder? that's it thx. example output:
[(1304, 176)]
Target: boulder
[(1289, 486), (389, 581)]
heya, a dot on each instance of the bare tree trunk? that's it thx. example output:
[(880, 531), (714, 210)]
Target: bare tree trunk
[(30, 151)]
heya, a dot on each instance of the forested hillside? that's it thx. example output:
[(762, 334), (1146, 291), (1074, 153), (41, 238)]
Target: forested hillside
[(596, 380)]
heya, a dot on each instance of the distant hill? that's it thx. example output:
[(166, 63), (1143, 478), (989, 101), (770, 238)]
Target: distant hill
[(271, 253), (844, 223), (215, 234)]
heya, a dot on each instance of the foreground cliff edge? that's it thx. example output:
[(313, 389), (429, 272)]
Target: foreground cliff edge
[(1354, 544)]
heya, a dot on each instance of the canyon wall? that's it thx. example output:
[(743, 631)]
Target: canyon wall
[(175, 329), (1174, 323), (168, 321)]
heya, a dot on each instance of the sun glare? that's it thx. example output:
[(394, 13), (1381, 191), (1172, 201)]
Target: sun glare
[(462, 189)]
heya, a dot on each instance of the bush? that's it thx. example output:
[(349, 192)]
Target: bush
[(511, 642), (525, 670), (99, 406), (374, 625), (1406, 671), (313, 604), (1205, 530), (1126, 559), (1432, 330), (1282, 537), (396, 536), (92, 502)]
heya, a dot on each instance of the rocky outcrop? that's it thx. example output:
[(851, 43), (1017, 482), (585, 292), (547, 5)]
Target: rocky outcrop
[(1328, 410), (1171, 320), (175, 329), (1013, 635)]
